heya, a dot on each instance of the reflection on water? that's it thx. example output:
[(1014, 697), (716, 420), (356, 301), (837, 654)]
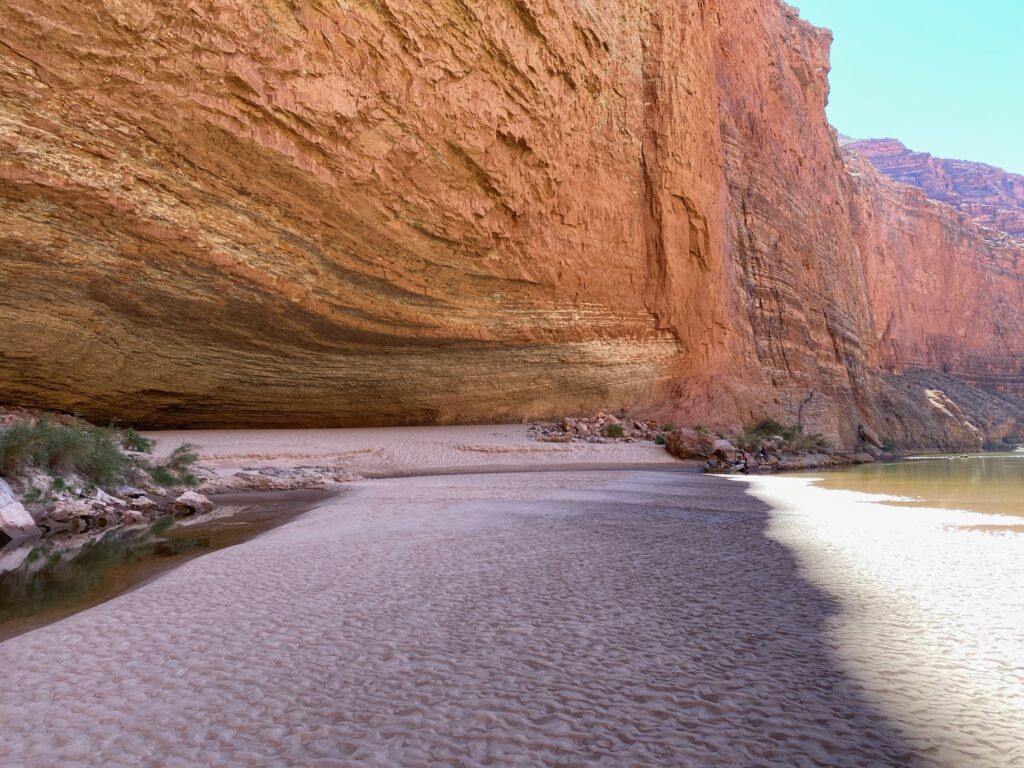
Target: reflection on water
[(41, 582), (992, 483)]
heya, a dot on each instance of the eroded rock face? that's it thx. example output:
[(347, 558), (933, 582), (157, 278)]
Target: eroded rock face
[(990, 196), (244, 212), (250, 213)]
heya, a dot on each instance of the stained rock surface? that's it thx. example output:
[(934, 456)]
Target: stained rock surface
[(295, 214)]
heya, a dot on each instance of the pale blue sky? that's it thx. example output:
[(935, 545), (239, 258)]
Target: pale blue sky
[(943, 76)]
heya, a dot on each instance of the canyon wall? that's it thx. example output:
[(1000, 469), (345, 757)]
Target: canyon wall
[(276, 213), (250, 212), (946, 294), (990, 196)]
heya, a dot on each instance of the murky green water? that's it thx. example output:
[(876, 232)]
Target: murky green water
[(43, 581), (992, 483)]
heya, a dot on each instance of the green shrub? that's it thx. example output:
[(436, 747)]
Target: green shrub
[(92, 453), (701, 428), (162, 525), (161, 475), (34, 496), (668, 427), (177, 470), (815, 442), (755, 434), (17, 446), (613, 430), (62, 449), (133, 441), (1008, 443), (184, 457), (771, 428), (659, 440)]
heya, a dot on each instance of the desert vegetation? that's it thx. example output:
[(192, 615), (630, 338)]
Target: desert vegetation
[(98, 456), (792, 437)]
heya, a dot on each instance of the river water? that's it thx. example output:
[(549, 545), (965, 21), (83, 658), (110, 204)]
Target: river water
[(990, 483), (44, 581)]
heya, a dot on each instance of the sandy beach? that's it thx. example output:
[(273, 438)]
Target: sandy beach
[(572, 617)]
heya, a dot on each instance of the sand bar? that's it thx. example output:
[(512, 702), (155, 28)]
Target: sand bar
[(391, 450), (514, 619)]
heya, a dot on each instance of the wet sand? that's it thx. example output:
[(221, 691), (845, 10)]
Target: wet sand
[(546, 619)]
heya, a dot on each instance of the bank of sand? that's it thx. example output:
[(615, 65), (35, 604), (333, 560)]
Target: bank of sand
[(651, 617), (396, 450)]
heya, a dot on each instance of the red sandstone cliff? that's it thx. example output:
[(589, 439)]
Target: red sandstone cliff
[(265, 213), (990, 196)]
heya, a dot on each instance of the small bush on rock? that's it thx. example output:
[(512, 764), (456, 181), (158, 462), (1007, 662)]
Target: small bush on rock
[(34, 496), (133, 441), (613, 431), (811, 443), (177, 470), (793, 437)]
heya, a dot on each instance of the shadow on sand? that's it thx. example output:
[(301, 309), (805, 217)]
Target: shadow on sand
[(753, 631)]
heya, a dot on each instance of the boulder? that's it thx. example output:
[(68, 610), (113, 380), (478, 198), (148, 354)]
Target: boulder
[(796, 461), (690, 444), (66, 509), (105, 498), (193, 503), (725, 450), (129, 491), (15, 521)]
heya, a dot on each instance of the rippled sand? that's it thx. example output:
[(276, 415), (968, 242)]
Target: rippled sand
[(555, 619)]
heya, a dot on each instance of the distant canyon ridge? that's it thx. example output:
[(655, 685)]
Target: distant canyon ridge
[(245, 212), (989, 196)]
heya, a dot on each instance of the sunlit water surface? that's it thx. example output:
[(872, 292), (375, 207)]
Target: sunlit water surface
[(991, 483), (926, 558)]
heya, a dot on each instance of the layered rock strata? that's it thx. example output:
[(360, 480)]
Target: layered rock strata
[(990, 196), (289, 214)]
